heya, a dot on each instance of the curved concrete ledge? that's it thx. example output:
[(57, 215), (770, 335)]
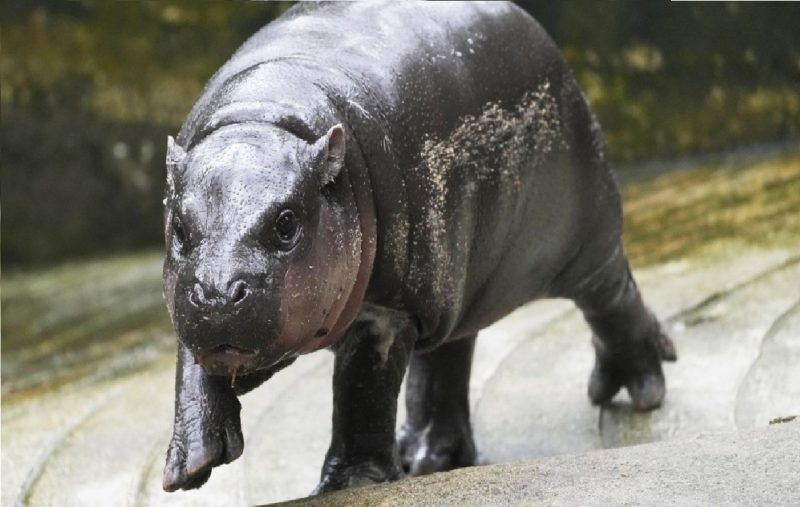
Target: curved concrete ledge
[(756, 467)]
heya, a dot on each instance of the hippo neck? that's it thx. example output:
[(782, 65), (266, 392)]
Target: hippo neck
[(283, 91), (361, 188), (289, 119)]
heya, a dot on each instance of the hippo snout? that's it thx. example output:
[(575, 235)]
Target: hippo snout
[(201, 297), (230, 326)]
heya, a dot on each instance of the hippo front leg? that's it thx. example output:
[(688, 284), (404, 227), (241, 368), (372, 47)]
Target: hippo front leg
[(207, 429), (370, 363)]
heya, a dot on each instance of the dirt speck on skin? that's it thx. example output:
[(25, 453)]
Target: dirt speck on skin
[(498, 141), (598, 141), (498, 144), (396, 242)]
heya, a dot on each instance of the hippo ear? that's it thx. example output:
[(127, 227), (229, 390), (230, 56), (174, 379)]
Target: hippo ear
[(331, 150), (175, 156)]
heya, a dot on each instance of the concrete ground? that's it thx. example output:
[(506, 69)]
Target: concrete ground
[(754, 467), (88, 423)]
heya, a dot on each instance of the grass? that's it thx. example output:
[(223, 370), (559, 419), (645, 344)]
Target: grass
[(687, 212)]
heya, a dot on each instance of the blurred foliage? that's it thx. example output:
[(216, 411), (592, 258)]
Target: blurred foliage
[(122, 61), (669, 78), (76, 184), (91, 89)]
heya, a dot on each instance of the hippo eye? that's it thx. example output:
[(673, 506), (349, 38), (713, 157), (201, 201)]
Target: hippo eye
[(286, 227)]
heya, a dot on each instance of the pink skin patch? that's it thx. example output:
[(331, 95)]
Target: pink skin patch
[(318, 288)]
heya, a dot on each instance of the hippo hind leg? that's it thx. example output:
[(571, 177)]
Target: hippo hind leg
[(628, 339), (437, 435)]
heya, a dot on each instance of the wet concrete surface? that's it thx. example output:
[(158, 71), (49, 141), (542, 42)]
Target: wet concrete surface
[(92, 429)]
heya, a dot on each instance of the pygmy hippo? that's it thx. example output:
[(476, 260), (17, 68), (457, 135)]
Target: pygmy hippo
[(384, 180)]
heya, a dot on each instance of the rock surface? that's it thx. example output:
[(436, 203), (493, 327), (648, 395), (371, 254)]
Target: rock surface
[(757, 467)]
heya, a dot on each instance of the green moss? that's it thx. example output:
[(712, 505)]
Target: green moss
[(683, 213)]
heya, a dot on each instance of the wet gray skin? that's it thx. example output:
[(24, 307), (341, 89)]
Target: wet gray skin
[(253, 201), (346, 181)]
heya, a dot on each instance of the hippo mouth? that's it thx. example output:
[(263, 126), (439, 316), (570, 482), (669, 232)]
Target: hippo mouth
[(228, 360)]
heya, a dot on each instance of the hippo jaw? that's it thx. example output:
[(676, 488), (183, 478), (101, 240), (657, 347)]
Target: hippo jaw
[(264, 247), (228, 358)]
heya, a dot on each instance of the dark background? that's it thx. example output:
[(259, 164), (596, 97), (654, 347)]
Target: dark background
[(90, 90)]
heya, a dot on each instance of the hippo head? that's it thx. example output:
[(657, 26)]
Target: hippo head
[(263, 246)]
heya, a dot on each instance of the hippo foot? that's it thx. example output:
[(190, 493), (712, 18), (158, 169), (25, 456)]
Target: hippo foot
[(342, 474), (638, 369), (440, 446), (200, 443)]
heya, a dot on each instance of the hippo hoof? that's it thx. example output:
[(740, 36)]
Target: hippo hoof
[(666, 349), (337, 474), (194, 451), (438, 447), (638, 371)]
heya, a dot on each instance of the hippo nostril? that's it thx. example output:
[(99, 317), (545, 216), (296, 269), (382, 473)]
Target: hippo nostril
[(238, 291), (196, 297)]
